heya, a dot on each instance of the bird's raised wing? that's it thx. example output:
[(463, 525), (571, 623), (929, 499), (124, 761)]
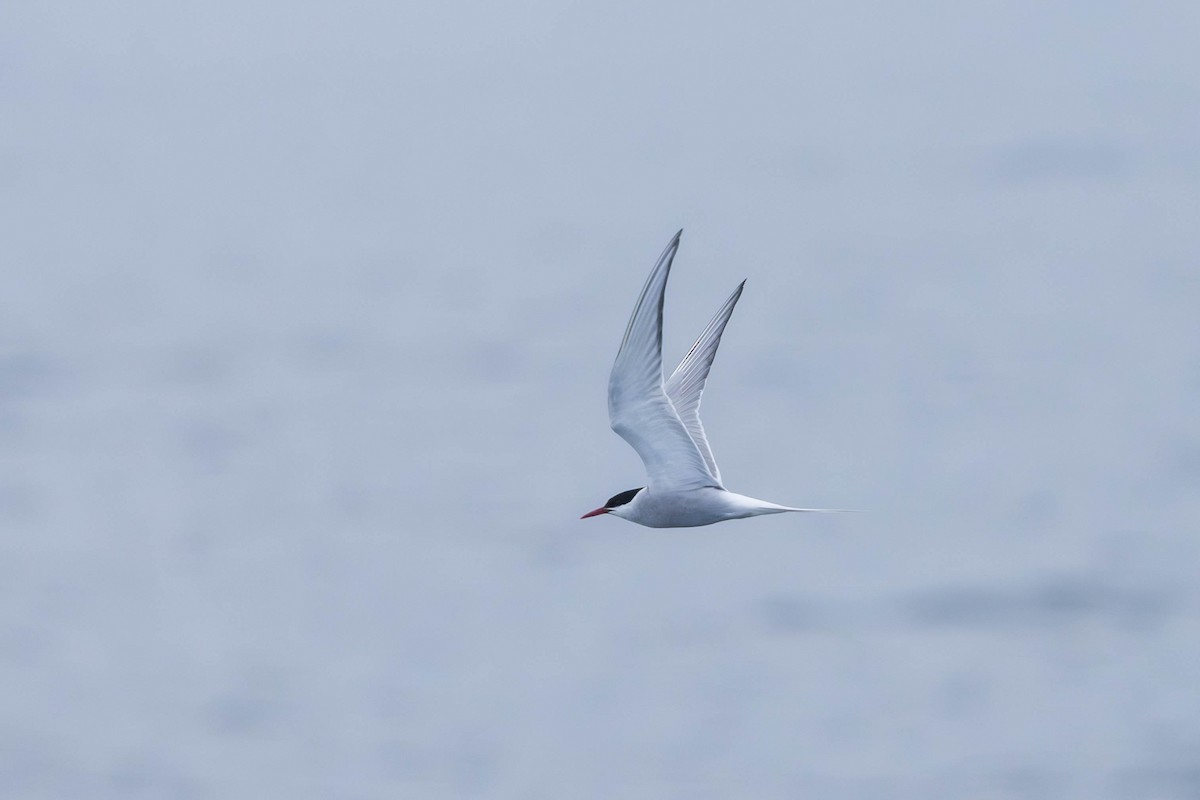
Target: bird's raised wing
[(686, 383), (638, 407)]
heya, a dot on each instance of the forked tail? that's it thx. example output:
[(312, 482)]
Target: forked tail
[(763, 507)]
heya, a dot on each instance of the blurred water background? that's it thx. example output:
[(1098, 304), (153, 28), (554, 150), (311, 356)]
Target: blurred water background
[(305, 329)]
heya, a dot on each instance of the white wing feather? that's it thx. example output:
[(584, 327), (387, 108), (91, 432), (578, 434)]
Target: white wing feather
[(638, 407), (686, 384)]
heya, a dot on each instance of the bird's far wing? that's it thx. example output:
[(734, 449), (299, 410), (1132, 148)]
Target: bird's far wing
[(686, 383), (638, 408)]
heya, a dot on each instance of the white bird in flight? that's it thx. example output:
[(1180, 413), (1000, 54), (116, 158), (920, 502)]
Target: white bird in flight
[(661, 421)]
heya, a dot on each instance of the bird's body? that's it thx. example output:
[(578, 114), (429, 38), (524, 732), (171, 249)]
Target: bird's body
[(661, 420), (693, 507)]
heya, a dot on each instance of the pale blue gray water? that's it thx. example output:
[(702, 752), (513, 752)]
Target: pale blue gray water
[(306, 319)]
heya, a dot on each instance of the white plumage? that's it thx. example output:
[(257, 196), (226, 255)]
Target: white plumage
[(661, 420)]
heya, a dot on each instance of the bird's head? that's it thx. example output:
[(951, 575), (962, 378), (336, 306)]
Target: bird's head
[(615, 505)]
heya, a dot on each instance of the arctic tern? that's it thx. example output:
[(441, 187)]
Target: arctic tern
[(661, 421)]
